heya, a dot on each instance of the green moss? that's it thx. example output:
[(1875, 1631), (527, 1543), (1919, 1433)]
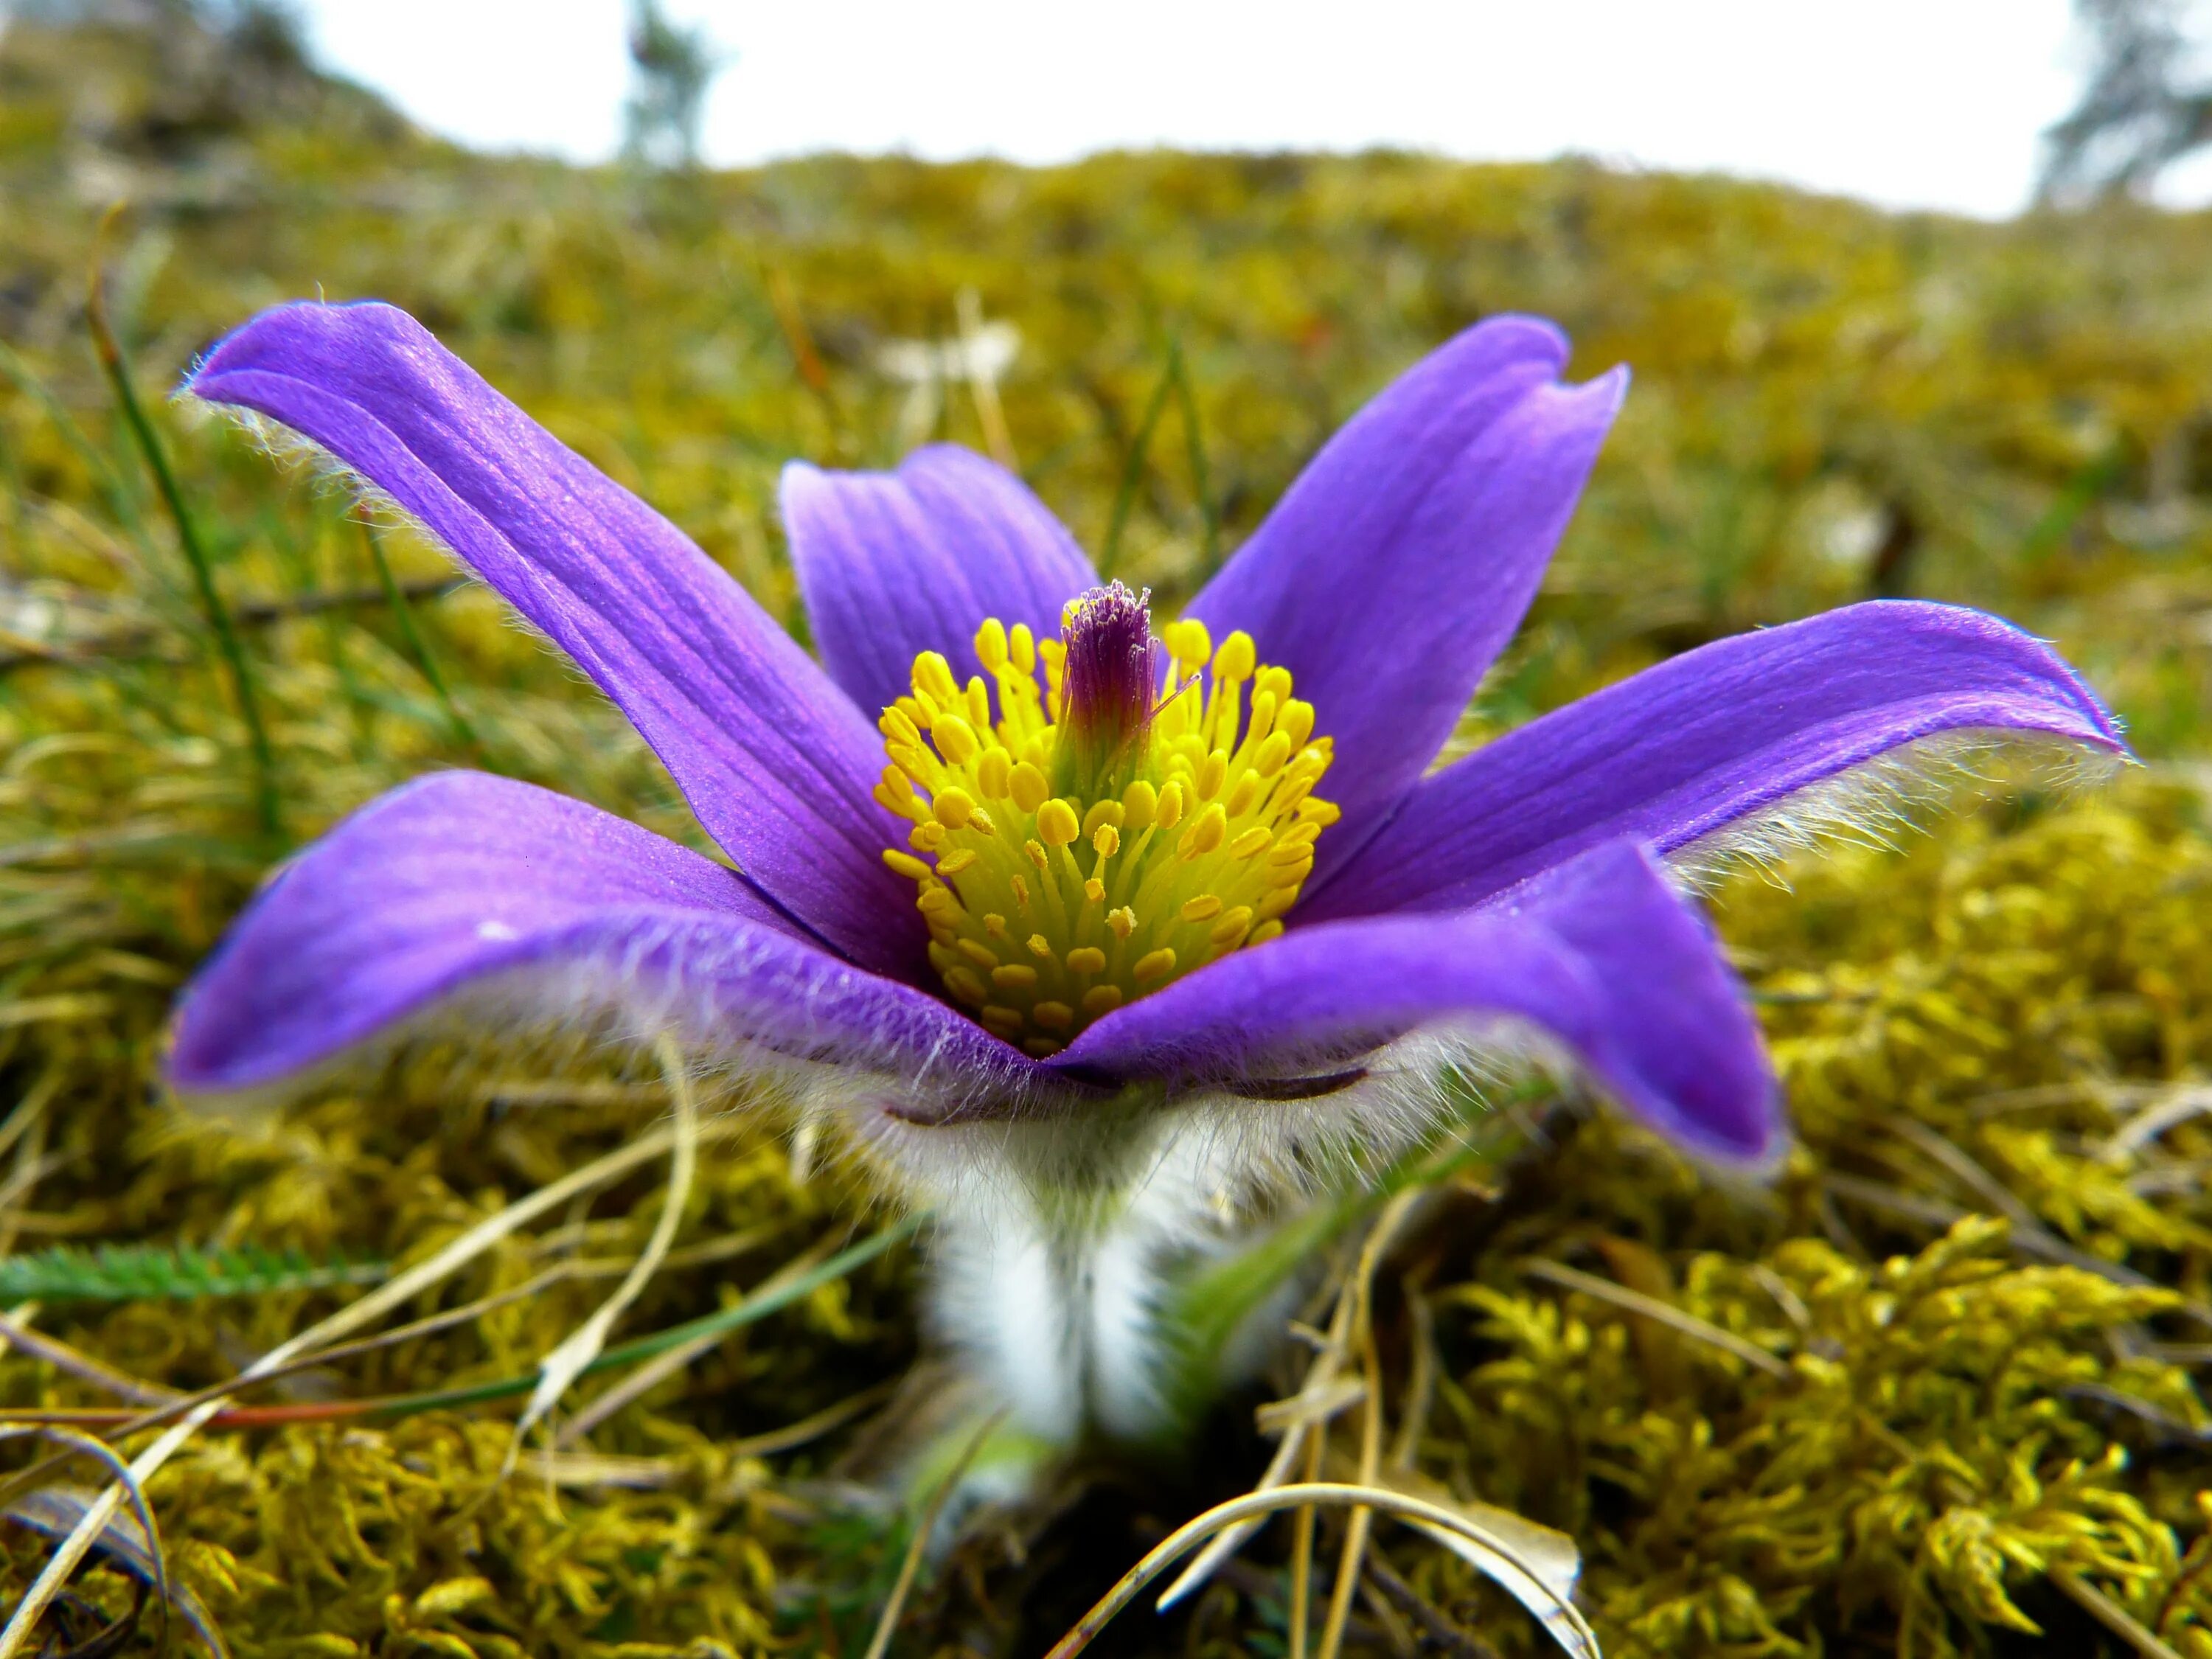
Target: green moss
[(1829, 402)]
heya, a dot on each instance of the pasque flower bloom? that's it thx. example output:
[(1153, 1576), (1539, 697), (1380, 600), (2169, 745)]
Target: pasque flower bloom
[(1144, 922)]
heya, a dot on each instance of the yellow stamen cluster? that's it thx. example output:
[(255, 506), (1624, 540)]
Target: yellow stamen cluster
[(1047, 913)]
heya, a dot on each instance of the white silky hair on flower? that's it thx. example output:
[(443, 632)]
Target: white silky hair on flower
[(1894, 795)]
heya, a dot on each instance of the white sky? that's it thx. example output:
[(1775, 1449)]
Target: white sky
[(1909, 103)]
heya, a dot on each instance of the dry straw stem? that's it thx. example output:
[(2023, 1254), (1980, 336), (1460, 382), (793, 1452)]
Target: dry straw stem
[(1650, 1307), (924, 1525), (1260, 1505), (1362, 1293), (560, 1368), (2110, 1614), (397, 1292)]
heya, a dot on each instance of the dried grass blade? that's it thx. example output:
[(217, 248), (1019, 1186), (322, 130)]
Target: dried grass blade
[(1650, 1307), (561, 1367), (1162, 1556), (54, 1510), (394, 1293)]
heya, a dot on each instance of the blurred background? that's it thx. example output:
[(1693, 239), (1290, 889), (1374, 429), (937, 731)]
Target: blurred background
[(1918, 300)]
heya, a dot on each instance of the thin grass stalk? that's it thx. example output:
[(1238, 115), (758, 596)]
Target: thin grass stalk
[(418, 648), (1133, 468), (267, 808), (1209, 515)]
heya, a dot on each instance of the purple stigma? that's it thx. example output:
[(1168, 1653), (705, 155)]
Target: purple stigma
[(1112, 674)]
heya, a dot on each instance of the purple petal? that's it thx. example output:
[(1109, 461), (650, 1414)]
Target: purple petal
[(462, 882), (1711, 739), (1400, 562), (892, 564), (777, 763), (1603, 955)]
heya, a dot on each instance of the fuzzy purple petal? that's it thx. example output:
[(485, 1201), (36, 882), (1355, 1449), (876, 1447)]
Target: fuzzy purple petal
[(892, 564), (1400, 562), (463, 884), (1714, 738), (1601, 956), (775, 760)]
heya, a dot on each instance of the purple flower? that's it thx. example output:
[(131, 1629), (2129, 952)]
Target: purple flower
[(965, 889)]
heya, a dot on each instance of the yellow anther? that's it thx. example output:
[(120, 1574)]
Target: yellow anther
[(917, 763), (1027, 787), (1139, 805), (1250, 845), (1212, 774), (932, 676), (1042, 1047), (954, 807), (1056, 822), (991, 644), (956, 739), (1233, 662), (1208, 831), (1211, 825), (1232, 926), (1188, 643)]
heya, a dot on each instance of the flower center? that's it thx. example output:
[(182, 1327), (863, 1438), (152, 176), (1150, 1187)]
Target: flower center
[(1112, 829)]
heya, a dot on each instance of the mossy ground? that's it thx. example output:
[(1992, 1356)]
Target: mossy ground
[(1987, 1293)]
